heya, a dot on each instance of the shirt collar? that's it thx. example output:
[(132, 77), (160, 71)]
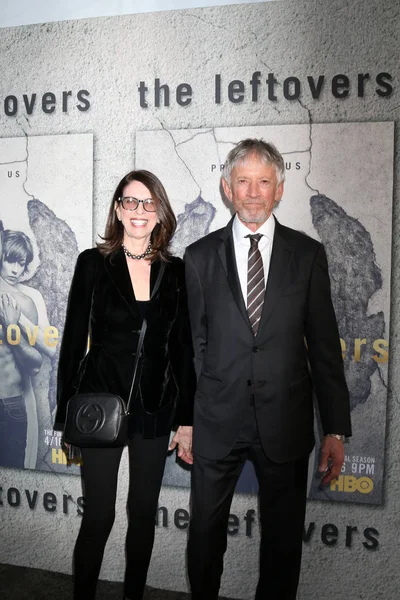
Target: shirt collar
[(240, 231)]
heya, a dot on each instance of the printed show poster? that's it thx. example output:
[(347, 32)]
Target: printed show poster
[(339, 190), (46, 220)]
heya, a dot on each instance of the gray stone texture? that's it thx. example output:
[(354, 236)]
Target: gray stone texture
[(109, 57)]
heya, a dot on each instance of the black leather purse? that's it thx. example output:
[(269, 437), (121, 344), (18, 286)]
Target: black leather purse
[(100, 420)]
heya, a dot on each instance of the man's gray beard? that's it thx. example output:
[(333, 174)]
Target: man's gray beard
[(260, 219)]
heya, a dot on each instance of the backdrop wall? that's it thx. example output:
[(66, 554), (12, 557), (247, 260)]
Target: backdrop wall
[(316, 63), (24, 12)]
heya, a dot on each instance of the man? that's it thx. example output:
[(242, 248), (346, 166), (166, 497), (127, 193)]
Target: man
[(18, 359), (261, 314)]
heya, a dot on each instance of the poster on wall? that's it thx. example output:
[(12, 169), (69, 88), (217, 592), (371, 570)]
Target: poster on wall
[(335, 175), (46, 220)]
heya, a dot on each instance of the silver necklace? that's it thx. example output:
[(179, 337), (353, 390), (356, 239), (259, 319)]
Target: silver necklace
[(137, 256)]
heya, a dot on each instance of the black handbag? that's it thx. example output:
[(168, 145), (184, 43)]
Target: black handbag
[(100, 419)]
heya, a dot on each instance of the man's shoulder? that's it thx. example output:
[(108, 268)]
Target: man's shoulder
[(291, 236), (298, 238), (207, 242)]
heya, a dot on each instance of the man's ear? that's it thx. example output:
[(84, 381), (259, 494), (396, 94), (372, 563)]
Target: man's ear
[(279, 192), (227, 189)]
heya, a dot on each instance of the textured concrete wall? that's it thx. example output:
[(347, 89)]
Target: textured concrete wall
[(109, 57), (24, 12)]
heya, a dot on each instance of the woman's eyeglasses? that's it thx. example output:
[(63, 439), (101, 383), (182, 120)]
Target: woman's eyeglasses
[(131, 203)]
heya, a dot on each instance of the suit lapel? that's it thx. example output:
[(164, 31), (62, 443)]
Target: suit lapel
[(279, 270), (226, 253), (118, 271)]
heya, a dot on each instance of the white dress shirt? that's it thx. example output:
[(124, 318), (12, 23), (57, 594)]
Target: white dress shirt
[(241, 245)]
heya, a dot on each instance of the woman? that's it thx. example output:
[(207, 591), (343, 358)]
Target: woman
[(110, 294)]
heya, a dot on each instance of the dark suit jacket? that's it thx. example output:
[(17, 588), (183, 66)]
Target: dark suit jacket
[(232, 364), (102, 303)]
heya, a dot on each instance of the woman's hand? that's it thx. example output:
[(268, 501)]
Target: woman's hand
[(66, 447), (183, 439)]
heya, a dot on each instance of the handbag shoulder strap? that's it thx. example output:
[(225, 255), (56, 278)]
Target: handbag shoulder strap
[(141, 336)]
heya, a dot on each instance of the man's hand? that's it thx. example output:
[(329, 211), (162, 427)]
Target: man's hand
[(10, 312), (183, 439), (331, 459)]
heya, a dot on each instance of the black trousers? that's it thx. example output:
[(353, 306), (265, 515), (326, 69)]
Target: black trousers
[(282, 500), (100, 474)]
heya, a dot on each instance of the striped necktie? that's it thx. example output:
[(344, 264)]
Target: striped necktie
[(255, 282)]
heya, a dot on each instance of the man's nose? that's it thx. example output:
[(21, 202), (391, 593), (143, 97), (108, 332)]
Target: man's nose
[(253, 189)]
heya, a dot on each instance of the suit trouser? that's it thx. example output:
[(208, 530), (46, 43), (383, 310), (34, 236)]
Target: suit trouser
[(100, 474), (282, 500)]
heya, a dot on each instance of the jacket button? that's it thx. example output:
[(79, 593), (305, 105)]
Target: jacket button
[(255, 348)]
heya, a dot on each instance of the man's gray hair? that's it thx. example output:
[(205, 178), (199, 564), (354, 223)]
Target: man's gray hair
[(265, 151)]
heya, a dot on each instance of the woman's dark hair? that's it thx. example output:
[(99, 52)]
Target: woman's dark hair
[(17, 247), (162, 232)]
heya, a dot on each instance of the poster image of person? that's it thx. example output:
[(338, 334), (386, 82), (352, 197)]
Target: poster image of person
[(18, 359), (21, 352), (34, 203)]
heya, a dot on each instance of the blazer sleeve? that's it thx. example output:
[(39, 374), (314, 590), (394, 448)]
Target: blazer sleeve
[(324, 351), (76, 332), (181, 356), (197, 312)]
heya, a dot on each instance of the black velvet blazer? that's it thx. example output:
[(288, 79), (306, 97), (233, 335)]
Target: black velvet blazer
[(102, 306)]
